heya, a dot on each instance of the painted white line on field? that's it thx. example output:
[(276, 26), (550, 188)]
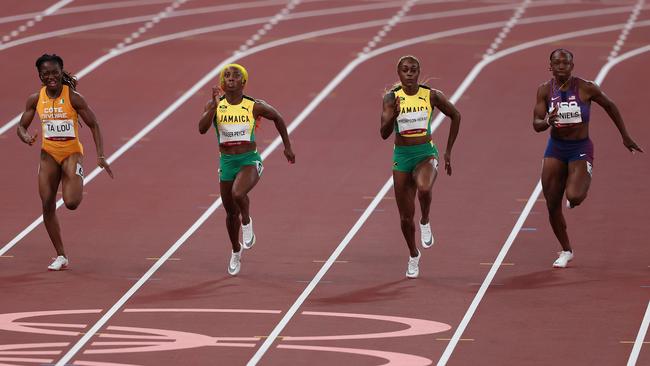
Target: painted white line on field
[(193, 90), (267, 28), (36, 18), (626, 31), (84, 9), (508, 27), (389, 25), (126, 4), (280, 42), (194, 32), (643, 330), (613, 62), (212, 9), (115, 52), (150, 24)]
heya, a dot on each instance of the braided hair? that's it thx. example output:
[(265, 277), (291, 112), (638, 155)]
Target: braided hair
[(68, 79)]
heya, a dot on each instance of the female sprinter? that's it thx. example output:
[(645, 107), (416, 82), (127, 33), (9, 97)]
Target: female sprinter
[(563, 106), (408, 110), (59, 105), (240, 166)]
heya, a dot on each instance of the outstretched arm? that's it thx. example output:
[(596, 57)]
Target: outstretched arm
[(390, 111), (262, 109), (209, 111), (26, 120), (88, 116), (597, 95), (438, 99)]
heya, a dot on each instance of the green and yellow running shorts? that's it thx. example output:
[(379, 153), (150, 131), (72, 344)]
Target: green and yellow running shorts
[(231, 164), (405, 158)]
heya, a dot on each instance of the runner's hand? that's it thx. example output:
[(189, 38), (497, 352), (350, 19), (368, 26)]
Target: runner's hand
[(397, 108), (216, 94), (291, 157), (102, 163), (631, 145), (29, 139), (552, 118), (448, 162)]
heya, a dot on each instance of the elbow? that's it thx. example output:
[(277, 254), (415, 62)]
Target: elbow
[(456, 118), (538, 128)]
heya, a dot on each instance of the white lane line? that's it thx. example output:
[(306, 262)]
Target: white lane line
[(603, 72), (628, 27), (508, 27), (150, 24), (391, 23), (522, 218), (267, 27), (186, 96), (83, 8), (634, 355), (177, 103), (115, 52), (37, 18), (194, 32), (207, 78), (205, 10)]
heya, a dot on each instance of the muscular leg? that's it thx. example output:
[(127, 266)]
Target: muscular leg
[(578, 181), (49, 175), (245, 180), (232, 214), (554, 177), (424, 176), (405, 197), (72, 183)]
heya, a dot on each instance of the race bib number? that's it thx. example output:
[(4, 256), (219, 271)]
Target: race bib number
[(413, 123), (58, 130), (569, 113)]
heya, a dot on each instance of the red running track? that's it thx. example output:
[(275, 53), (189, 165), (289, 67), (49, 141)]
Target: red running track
[(303, 212)]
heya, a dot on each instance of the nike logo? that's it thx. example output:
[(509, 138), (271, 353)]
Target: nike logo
[(554, 98), (581, 155)]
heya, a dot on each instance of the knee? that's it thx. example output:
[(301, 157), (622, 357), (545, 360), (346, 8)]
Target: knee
[(239, 196), (232, 214), (424, 192), (49, 207), (576, 199), (72, 205), (406, 219)]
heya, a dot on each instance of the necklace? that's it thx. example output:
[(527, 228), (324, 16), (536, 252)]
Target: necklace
[(565, 83)]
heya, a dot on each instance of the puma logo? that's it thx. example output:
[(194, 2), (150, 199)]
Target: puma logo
[(244, 108)]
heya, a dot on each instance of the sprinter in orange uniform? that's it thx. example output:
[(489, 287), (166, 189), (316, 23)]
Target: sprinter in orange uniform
[(59, 106)]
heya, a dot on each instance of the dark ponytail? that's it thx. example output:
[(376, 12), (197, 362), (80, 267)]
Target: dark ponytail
[(68, 79)]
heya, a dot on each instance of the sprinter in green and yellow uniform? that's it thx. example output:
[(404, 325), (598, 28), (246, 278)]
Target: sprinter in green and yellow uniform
[(408, 111), (234, 117)]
